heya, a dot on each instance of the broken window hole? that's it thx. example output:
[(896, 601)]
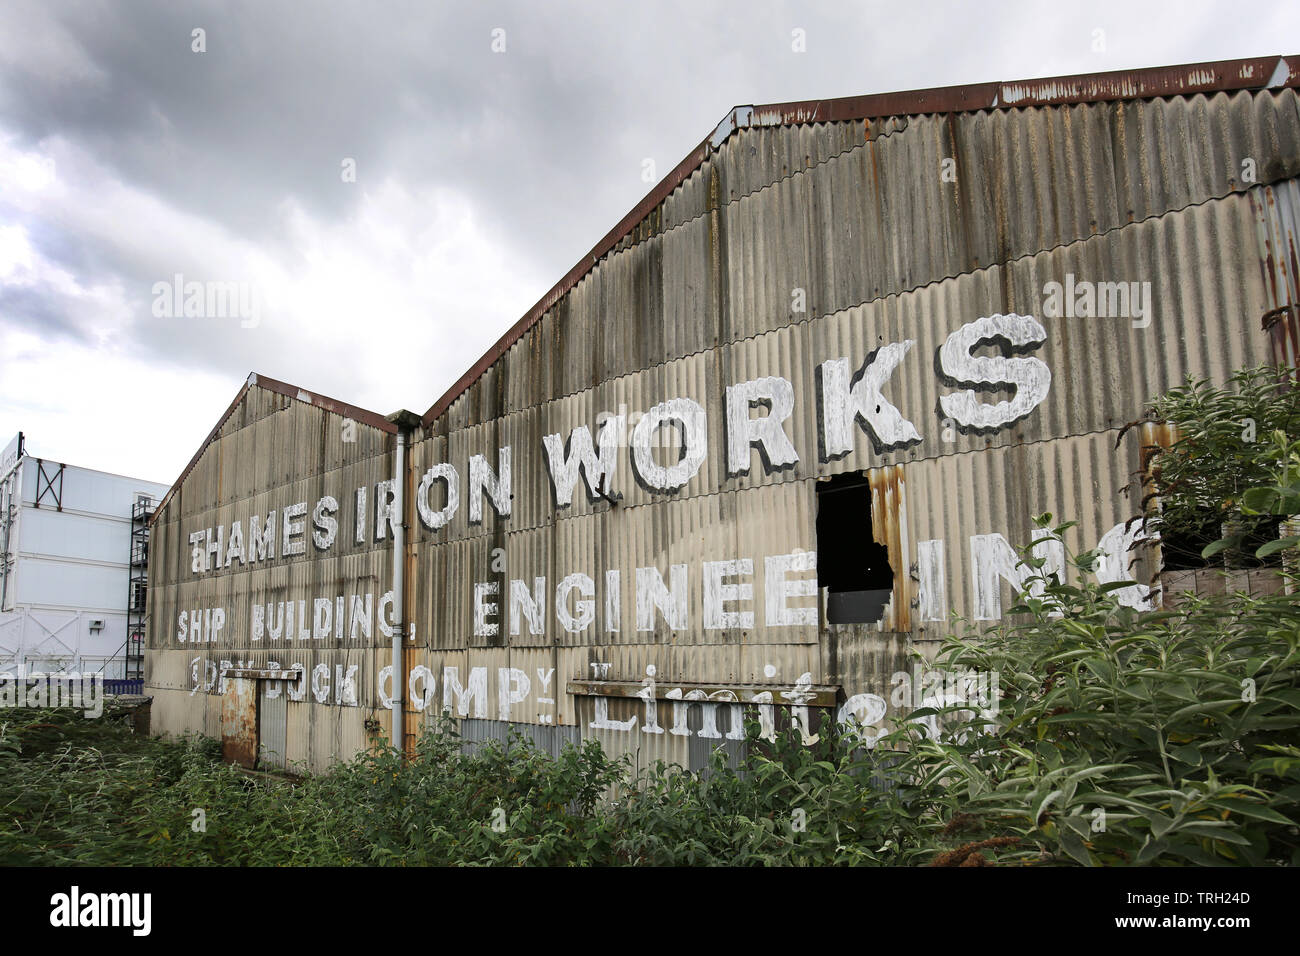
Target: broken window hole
[(851, 565), (1181, 546)]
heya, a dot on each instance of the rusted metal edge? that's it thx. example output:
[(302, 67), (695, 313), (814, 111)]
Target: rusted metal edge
[(789, 695), (1271, 72), (1273, 316), (365, 416), (373, 419)]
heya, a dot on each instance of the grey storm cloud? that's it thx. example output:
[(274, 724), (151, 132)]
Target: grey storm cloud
[(285, 91), (37, 309), (548, 138)]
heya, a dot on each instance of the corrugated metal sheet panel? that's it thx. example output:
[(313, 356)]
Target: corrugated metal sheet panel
[(958, 498), (1201, 262), (754, 158), (1186, 80), (1085, 479), (645, 750), (548, 739), (272, 726), (1277, 215), (1205, 287), (547, 672), (264, 386), (870, 226), (687, 531), (952, 498)]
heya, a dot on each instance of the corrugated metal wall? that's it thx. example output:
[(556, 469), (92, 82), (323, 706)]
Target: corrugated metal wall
[(788, 247), (860, 218), (272, 452)]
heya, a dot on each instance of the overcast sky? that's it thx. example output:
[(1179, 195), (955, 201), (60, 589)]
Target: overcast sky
[(481, 175)]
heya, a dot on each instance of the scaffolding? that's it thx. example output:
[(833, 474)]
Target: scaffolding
[(8, 512), (138, 587)]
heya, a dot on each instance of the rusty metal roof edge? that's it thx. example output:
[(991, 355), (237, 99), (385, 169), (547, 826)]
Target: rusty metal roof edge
[(1270, 72), (363, 415), (374, 419)]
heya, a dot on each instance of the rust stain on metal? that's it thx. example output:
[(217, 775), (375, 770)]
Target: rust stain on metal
[(1283, 328), (239, 723), (1280, 268), (1155, 437), (888, 523), (1265, 205), (273, 673)]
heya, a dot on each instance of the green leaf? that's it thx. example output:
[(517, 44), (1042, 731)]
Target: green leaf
[(1159, 822), (1072, 844), (1115, 586), (1150, 850), (1045, 803), (1274, 546), (1213, 830), (1210, 550), (1255, 811)]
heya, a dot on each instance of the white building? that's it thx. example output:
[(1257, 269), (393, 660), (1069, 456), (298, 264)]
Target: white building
[(69, 564)]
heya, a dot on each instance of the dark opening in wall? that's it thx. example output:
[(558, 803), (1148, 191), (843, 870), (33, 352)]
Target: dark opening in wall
[(850, 564), (1181, 546)]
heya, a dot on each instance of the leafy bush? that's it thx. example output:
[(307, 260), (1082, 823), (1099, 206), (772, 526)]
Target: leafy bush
[(1137, 715), (1126, 737), (1209, 481)]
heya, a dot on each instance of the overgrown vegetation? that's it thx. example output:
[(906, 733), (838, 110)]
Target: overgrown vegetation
[(1129, 737), (74, 791), (1231, 442), (1120, 737)]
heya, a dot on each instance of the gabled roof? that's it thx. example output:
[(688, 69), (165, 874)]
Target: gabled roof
[(373, 419), (1273, 72)]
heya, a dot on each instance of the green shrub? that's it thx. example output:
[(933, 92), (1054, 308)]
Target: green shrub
[(1126, 737)]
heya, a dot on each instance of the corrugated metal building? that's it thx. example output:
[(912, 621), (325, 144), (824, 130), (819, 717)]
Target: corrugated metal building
[(781, 427)]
